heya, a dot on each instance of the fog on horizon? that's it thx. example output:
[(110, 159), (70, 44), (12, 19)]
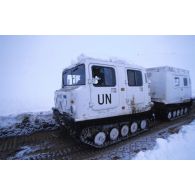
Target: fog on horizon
[(31, 66)]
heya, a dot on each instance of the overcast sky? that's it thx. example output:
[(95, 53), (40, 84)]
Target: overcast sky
[(31, 66)]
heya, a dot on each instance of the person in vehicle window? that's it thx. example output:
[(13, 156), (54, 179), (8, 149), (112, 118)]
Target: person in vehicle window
[(99, 74)]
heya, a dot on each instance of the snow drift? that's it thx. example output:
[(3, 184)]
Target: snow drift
[(179, 146)]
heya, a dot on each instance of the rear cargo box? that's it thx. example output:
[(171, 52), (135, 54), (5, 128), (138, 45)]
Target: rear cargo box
[(169, 85)]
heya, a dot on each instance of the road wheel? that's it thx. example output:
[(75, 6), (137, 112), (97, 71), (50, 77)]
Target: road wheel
[(181, 111), (124, 130), (178, 112), (185, 110), (169, 115), (100, 138), (144, 124), (174, 113), (133, 127), (114, 133)]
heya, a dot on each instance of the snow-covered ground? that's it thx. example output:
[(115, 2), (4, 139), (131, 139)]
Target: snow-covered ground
[(177, 146), (26, 123)]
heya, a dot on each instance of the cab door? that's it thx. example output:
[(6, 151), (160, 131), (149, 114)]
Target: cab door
[(104, 92), (134, 90)]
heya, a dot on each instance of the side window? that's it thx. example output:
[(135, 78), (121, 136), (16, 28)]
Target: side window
[(138, 76), (131, 77), (134, 78), (105, 76), (177, 81), (185, 82)]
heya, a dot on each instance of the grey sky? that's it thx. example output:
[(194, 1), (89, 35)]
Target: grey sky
[(31, 66)]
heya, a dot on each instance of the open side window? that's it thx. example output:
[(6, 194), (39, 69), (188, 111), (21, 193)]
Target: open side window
[(103, 76)]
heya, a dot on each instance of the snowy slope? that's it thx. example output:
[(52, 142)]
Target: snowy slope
[(177, 146)]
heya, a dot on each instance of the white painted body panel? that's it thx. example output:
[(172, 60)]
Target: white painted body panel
[(167, 85), (81, 102)]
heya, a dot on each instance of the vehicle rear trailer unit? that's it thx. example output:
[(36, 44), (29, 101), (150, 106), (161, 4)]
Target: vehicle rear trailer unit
[(170, 90)]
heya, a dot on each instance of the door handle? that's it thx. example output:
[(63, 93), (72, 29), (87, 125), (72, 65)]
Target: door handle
[(113, 90)]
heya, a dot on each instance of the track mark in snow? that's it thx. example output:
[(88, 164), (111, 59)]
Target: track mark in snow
[(24, 150)]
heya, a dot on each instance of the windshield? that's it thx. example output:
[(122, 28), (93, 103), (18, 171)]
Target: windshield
[(74, 76)]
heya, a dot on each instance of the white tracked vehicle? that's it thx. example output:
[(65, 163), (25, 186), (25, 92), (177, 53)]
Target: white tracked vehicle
[(170, 91), (103, 102)]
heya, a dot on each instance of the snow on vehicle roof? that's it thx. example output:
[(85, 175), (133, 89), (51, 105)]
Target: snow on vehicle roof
[(82, 59), (169, 68)]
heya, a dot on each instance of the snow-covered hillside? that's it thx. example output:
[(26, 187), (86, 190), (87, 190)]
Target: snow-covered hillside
[(177, 146)]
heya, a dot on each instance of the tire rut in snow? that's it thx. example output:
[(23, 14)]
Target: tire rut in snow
[(12, 145)]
